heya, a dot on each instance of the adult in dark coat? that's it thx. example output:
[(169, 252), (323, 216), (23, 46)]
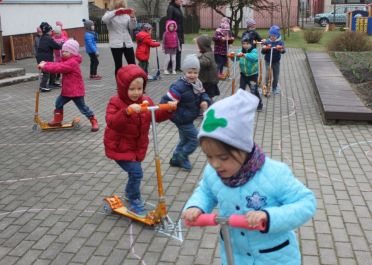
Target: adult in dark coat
[(174, 13)]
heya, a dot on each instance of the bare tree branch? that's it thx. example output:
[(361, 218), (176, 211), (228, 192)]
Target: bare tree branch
[(236, 7)]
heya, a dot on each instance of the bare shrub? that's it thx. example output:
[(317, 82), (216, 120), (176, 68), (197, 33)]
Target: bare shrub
[(350, 41), (313, 35)]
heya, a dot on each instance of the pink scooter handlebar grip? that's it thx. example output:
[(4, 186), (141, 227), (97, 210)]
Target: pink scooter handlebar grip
[(237, 220), (204, 220)]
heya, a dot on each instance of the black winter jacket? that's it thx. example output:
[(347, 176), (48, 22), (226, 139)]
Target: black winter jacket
[(45, 49), (174, 13)]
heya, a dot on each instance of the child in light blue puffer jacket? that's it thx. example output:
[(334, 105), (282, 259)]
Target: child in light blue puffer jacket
[(240, 179)]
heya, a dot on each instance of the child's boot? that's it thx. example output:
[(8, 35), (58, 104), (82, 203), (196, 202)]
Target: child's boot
[(185, 162), (174, 161), (94, 122), (58, 118)]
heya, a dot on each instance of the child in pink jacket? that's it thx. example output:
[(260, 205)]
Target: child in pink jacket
[(72, 83), (171, 45), (60, 39)]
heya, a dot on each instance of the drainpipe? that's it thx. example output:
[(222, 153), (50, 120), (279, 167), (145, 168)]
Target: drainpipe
[(1, 42)]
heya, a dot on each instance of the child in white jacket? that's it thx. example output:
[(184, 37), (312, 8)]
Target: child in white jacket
[(120, 20)]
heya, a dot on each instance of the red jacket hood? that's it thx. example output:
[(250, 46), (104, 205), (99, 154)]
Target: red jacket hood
[(142, 34), (169, 22), (124, 77)]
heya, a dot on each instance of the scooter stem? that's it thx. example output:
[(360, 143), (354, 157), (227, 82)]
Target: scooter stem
[(227, 243), (162, 208)]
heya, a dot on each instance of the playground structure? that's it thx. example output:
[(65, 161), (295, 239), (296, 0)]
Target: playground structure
[(360, 21)]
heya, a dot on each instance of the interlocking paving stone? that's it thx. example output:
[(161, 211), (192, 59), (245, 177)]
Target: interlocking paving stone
[(52, 183)]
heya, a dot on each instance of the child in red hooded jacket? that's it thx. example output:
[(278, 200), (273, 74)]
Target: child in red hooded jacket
[(171, 45), (72, 83), (126, 136), (144, 43)]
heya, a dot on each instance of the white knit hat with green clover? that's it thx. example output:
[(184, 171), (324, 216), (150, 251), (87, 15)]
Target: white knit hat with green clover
[(231, 120)]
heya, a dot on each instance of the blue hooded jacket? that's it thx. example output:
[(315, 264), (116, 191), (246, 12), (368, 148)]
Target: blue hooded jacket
[(90, 38), (273, 189)]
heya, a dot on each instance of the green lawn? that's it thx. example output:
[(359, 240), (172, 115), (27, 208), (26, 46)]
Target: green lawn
[(295, 40)]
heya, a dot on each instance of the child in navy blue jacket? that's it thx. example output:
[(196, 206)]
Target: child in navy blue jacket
[(45, 52), (90, 38), (188, 91), (274, 42)]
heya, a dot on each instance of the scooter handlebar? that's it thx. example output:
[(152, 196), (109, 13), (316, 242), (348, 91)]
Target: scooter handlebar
[(232, 55), (237, 220), (206, 219), (145, 107)]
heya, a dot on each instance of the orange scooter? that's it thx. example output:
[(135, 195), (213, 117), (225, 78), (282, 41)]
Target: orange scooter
[(259, 78), (267, 88), (233, 57), (159, 215), (43, 125)]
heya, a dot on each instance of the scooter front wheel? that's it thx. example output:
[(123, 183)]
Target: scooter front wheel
[(76, 123), (264, 91), (35, 128), (107, 208)]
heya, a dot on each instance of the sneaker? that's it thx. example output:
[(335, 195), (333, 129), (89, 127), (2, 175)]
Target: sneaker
[(186, 165), (174, 72), (137, 206), (45, 89), (276, 91), (259, 107), (174, 161), (185, 162), (166, 72), (54, 85), (95, 77)]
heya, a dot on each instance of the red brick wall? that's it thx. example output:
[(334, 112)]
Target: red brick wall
[(23, 44), (211, 19)]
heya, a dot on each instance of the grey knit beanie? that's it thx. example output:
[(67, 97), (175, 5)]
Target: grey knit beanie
[(191, 61), (231, 120), (88, 24)]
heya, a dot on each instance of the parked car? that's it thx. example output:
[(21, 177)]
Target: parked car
[(340, 17)]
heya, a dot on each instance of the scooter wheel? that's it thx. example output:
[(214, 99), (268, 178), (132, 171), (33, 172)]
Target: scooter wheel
[(35, 128), (76, 125), (107, 208), (264, 91)]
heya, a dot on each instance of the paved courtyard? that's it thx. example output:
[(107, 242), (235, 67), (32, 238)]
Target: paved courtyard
[(52, 183)]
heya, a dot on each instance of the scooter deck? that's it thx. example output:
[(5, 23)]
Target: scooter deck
[(117, 206), (68, 125)]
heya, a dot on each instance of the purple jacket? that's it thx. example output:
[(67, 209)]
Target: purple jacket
[(220, 45)]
